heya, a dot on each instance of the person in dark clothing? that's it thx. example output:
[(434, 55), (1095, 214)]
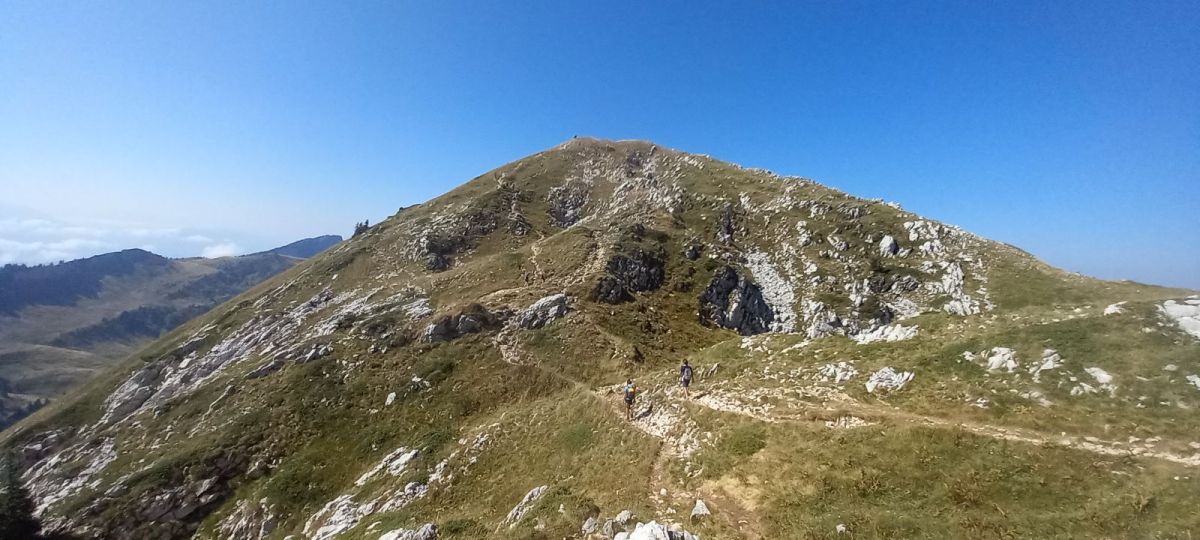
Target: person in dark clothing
[(631, 391), (685, 378)]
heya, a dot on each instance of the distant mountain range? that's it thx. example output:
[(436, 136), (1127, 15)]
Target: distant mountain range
[(61, 322)]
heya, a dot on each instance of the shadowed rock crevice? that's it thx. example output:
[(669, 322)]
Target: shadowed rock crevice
[(472, 320), (731, 301), (641, 270)]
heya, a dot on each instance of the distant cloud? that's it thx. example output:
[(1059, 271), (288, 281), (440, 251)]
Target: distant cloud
[(14, 251), (225, 249), (38, 239)]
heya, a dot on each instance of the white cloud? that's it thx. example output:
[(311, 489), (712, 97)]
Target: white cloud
[(224, 249), (37, 252), (38, 240)]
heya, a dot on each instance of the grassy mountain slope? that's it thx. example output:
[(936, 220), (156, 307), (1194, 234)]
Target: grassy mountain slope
[(428, 371), (60, 323)]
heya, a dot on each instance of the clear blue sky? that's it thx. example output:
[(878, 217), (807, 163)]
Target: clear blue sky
[(1071, 129)]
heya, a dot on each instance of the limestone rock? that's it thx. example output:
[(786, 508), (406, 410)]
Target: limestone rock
[(514, 516), (1186, 314), (888, 380), (1002, 358), (700, 510), (730, 301), (726, 228), (427, 531), (566, 203), (655, 531), (888, 247), (472, 320), (540, 313), (638, 271), (886, 334), (838, 373)]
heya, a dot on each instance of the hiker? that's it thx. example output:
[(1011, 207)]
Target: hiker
[(685, 378), (630, 394)]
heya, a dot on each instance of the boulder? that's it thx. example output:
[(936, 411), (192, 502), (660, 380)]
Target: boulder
[(540, 313), (474, 319), (589, 526), (700, 510), (888, 247)]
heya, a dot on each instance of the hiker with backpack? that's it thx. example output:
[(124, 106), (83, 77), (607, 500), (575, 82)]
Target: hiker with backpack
[(685, 378), (631, 391)]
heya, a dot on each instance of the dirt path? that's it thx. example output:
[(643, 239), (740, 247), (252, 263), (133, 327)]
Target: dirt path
[(722, 403)]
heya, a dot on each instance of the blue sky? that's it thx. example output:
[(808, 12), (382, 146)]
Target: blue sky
[(1070, 129)]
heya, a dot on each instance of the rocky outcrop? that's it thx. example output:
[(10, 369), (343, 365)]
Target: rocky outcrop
[(655, 531), (427, 531), (540, 313), (888, 380), (472, 320), (566, 203), (1115, 309), (838, 373), (527, 503), (439, 247), (1186, 314), (731, 301), (640, 270), (726, 226), (249, 521), (888, 247), (886, 334)]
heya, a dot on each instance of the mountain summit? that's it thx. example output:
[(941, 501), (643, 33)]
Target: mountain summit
[(455, 372)]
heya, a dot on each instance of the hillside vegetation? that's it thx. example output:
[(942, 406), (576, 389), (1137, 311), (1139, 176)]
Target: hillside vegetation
[(59, 323), (455, 372)]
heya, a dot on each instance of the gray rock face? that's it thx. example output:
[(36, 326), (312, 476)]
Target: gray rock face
[(472, 320), (640, 270), (540, 313), (726, 226), (731, 301), (566, 203), (440, 247)]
